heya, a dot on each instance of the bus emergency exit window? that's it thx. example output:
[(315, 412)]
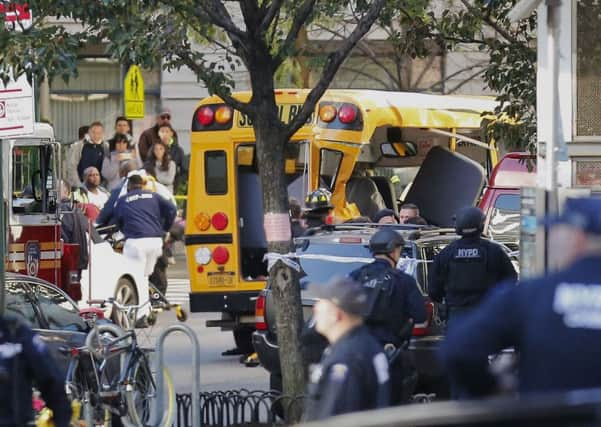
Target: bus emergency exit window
[(215, 173)]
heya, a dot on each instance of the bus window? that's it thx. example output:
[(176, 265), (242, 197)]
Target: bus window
[(33, 180), (215, 172), (329, 164)]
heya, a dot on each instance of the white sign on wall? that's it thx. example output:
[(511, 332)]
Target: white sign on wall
[(17, 112)]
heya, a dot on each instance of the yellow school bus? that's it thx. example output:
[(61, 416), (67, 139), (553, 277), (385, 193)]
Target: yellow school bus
[(370, 145), (358, 137), (225, 242)]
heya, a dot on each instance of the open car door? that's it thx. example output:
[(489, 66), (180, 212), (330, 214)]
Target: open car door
[(445, 183)]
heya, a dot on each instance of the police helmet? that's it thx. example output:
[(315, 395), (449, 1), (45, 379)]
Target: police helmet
[(469, 221), (318, 200), (385, 241)]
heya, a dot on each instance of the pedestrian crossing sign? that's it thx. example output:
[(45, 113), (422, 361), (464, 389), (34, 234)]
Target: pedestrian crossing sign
[(133, 93)]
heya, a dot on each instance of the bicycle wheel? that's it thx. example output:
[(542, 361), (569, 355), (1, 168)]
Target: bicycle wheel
[(141, 396), (99, 336), (82, 387)]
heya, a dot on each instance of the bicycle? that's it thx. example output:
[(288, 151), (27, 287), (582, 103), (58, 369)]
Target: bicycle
[(158, 298), (112, 377)]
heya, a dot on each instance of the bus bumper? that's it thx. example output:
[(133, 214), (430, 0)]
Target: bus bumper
[(242, 302)]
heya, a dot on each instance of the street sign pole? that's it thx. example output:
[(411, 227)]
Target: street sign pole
[(2, 236)]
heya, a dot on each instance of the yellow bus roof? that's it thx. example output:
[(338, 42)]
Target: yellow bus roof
[(409, 109), (386, 108)]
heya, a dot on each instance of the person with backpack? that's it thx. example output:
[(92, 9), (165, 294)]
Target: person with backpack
[(394, 300)]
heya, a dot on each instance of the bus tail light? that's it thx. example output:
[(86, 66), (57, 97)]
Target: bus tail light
[(260, 323), (223, 114), (206, 116), (219, 221), (202, 256), (347, 114), (327, 113), (221, 255)]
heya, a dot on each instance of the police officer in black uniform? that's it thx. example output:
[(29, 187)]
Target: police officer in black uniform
[(24, 359), (353, 372), (554, 321), (394, 300), (318, 207), (465, 270)]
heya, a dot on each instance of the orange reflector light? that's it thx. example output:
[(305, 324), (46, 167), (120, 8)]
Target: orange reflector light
[(327, 113), (260, 324), (223, 115), (350, 240), (221, 255), (219, 221), (202, 221)]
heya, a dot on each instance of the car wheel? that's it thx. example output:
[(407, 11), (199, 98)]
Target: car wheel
[(125, 294), (243, 339)]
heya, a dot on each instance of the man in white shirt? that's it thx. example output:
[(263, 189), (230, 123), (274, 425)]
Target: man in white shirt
[(97, 195)]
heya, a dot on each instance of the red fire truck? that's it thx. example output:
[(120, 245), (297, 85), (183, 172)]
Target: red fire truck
[(31, 167)]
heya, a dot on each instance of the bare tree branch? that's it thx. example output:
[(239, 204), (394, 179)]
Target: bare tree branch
[(219, 44), (271, 14), (481, 65), (360, 72), (491, 22), (425, 69), (334, 62), (363, 47), (219, 15), (191, 16), (252, 15), (299, 21), (221, 91), (465, 81)]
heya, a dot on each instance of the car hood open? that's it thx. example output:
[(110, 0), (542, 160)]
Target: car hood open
[(445, 183)]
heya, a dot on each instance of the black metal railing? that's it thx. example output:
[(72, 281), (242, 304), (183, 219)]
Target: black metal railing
[(234, 408)]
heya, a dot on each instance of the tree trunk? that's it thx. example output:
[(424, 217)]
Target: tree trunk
[(284, 283)]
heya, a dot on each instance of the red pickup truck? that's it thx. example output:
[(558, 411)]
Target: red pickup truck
[(501, 199)]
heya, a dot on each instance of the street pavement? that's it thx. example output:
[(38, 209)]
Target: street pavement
[(216, 372)]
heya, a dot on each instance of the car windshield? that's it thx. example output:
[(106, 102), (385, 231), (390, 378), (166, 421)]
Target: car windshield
[(332, 262)]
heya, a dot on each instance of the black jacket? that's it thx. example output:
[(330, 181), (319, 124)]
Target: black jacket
[(466, 269), (554, 322), (25, 360), (74, 226), (394, 297), (351, 376)]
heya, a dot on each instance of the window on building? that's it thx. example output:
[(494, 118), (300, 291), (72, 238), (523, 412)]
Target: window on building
[(588, 64)]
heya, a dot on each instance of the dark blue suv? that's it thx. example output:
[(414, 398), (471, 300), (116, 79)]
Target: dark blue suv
[(338, 251)]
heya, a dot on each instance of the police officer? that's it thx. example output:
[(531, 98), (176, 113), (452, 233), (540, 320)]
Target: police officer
[(143, 217), (318, 208), (466, 269), (394, 300), (106, 216), (24, 359), (353, 372), (554, 321)]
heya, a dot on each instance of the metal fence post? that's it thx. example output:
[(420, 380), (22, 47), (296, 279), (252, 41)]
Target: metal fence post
[(158, 410)]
